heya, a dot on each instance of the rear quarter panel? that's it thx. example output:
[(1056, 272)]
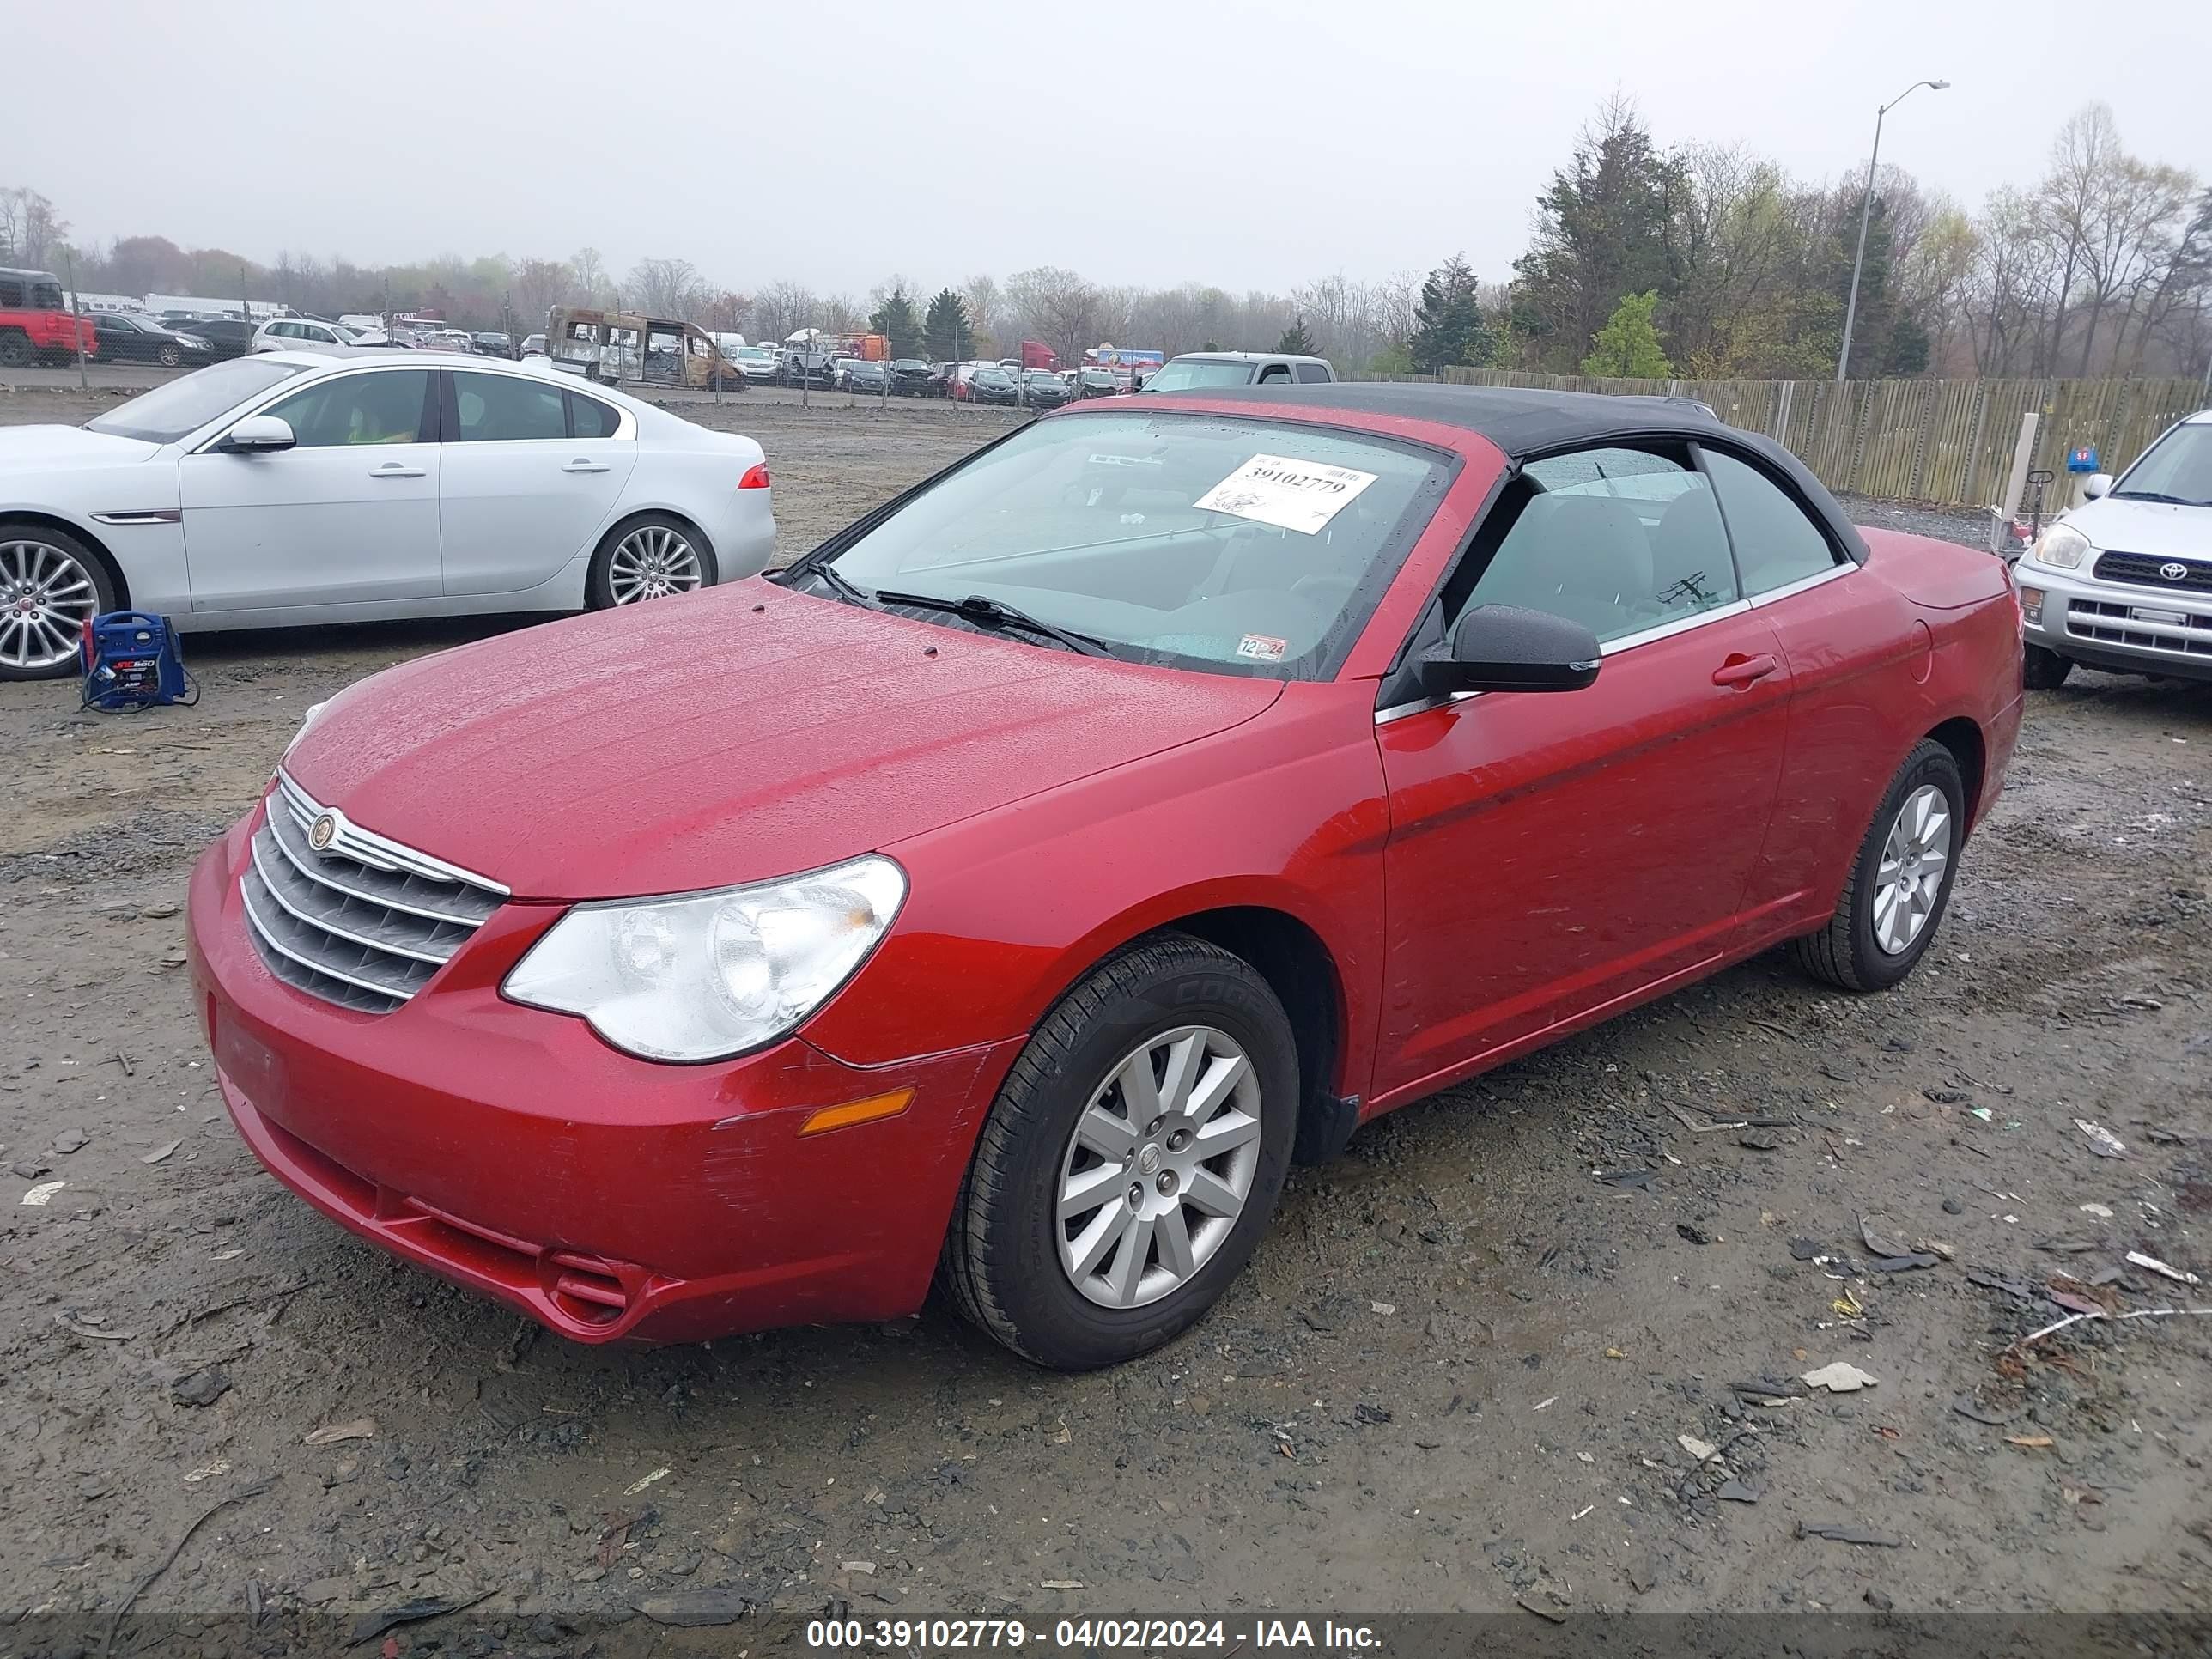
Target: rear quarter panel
[(1924, 633)]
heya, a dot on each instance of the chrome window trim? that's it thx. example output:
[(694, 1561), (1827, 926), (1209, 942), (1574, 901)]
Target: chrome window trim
[(1666, 630), (1680, 625), (1803, 584)]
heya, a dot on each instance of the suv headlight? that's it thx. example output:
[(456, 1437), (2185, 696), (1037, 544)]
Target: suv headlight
[(2061, 547), (711, 975)]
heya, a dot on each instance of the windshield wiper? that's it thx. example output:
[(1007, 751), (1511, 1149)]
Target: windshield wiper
[(842, 586), (2156, 496), (977, 608)]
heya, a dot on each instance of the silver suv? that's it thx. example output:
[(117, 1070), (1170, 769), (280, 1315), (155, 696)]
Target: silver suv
[(1195, 371), (2123, 581)]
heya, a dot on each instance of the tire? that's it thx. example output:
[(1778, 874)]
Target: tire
[(1003, 1266), (72, 584), (2042, 670), (624, 566), (15, 350), (170, 356), (1855, 950)]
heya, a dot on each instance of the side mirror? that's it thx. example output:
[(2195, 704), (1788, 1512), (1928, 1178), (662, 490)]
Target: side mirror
[(257, 435), (1505, 648), (2096, 484)]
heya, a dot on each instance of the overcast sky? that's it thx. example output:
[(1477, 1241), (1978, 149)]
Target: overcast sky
[(1250, 145)]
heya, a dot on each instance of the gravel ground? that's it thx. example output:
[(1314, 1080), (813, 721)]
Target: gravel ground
[(1464, 1373)]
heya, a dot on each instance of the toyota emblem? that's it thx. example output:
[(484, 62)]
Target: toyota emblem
[(2174, 571), (322, 831)]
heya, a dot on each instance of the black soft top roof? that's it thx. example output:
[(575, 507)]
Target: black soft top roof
[(1523, 422)]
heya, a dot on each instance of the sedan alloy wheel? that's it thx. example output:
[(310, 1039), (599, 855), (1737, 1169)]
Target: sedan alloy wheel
[(652, 563), (47, 597)]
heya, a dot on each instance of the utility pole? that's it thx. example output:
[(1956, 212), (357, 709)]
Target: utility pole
[(1866, 211), (77, 318)]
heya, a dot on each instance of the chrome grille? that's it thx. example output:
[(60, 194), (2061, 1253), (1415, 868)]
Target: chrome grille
[(2117, 624), (364, 923)]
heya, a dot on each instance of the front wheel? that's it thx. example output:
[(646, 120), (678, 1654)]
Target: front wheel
[(648, 558), (1900, 885), (51, 585), (2041, 670), (170, 356), (1132, 1160)]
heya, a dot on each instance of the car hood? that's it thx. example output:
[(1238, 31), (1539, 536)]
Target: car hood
[(733, 735), (2154, 527), (42, 448)]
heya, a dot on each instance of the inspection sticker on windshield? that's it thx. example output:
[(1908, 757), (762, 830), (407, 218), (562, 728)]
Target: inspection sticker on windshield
[(1300, 495), (1262, 647)]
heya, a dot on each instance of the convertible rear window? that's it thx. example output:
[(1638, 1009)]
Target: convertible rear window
[(1232, 545), (169, 412)]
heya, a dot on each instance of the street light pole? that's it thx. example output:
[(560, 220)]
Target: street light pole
[(1866, 211)]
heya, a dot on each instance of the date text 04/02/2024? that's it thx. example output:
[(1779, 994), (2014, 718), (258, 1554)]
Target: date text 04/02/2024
[(1133, 1634)]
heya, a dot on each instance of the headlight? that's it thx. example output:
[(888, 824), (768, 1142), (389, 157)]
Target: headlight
[(2061, 547), (711, 975)]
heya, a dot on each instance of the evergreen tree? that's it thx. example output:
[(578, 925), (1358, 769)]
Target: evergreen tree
[(1601, 230), (1296, 342), (946, 332), (895, 321), (1628, 344), (1447, 325)]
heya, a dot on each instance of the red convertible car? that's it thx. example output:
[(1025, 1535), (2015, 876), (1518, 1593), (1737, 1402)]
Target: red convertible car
[(1005, 894)]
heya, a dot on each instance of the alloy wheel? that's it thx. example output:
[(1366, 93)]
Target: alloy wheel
[(1158, 1167), (47, 597), (652, 563), (1910, 879)]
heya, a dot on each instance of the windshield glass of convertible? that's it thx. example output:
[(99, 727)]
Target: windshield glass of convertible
[(1241, 545)]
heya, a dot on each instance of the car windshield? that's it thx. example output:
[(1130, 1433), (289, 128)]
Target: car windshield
[(2177, 468), (1231, 546), (1183, 376), (169, 412)]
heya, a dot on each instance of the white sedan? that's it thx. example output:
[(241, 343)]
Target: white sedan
[(296, 487)]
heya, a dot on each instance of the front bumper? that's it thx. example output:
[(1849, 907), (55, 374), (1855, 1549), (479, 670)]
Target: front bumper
[(511, 1150), (2100, 624)]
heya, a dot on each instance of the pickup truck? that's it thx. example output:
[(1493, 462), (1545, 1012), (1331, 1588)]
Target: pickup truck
[(36, 325)]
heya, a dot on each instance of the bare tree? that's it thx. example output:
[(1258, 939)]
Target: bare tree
[(781, 309), (2082, 158), (30, 229), (981, 294), (666, 288), (1055, 306), (540, 285), (591, 283)]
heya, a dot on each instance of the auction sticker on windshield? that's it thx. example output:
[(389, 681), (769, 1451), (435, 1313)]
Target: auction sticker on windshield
[(1300, 495)]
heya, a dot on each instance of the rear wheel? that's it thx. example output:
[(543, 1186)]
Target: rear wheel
[(1131, 1160), (2043, 670), (51, 585), (1901, 883), (648, 558), (15, 349)]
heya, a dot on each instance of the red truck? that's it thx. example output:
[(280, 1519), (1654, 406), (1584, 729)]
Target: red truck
[(36, 325)]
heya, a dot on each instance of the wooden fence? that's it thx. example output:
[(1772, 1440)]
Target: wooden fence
[(1948, 442)]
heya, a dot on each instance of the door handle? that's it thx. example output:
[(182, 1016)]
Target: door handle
[(581, 466), (1740, 672), (394, 470)]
